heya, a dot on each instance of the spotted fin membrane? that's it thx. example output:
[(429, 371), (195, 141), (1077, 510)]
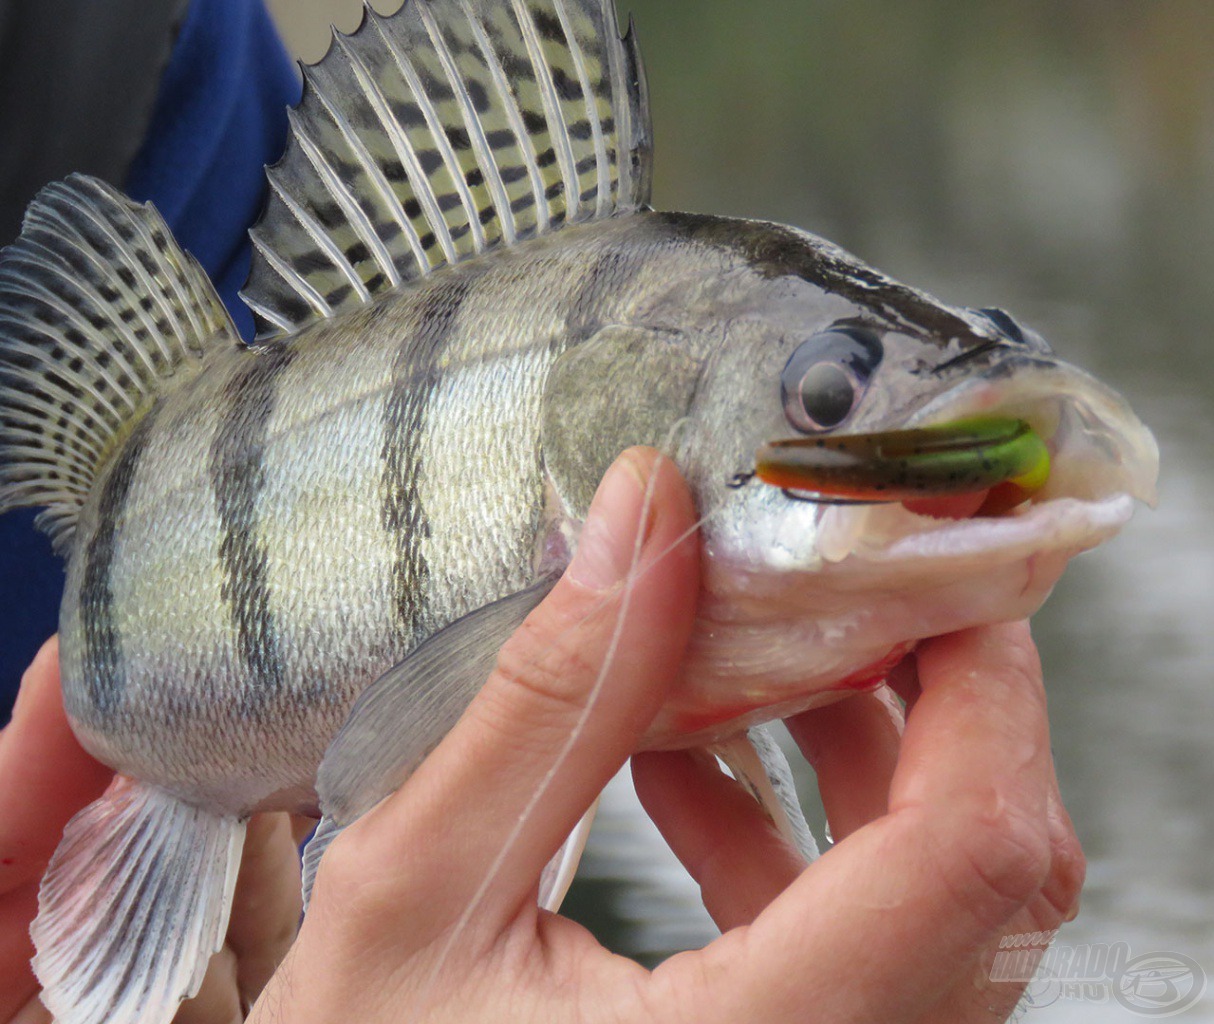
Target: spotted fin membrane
[(438, 133)]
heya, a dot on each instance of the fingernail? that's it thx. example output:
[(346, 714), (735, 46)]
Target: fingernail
[(608, 542)]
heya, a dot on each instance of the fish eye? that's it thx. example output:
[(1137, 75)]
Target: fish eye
[(826, 377)]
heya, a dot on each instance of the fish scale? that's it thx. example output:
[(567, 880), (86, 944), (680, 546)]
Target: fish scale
[(290, 565)]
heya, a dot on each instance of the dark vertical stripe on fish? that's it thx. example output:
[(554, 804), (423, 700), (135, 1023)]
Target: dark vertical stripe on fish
[(237, 469), (602, 289), (104, 672), (414, 376)]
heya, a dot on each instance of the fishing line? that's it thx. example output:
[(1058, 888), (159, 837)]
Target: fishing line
[(634, 574)]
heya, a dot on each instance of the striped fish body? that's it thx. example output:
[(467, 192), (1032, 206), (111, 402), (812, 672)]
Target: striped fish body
[(288, 522)]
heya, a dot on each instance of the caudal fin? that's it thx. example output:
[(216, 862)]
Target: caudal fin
[(132, 907), (99, 308)]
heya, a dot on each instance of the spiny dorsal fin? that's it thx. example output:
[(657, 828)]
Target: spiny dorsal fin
[(439, 132), (98, 307)]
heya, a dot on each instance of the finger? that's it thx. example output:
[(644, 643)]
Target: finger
[(47, 775), (17, 982), (1068, 865), (216, 1001), (47, 778), (718, 831), (853, 748), (528, 748), (965, 846), (267, 904), (33, 1012), (987, 991)]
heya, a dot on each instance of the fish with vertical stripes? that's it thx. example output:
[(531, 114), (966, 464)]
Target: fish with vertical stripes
[(290, 563)]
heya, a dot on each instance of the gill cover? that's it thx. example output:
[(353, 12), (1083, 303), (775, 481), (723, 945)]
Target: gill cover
[(582, 431)]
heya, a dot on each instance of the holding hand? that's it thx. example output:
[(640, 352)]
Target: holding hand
[(950, 836)]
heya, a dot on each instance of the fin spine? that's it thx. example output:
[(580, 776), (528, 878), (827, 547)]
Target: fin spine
[(514, 116), (383, 258), (476, 131), (129, 294), (462, 125), (284, 270), (438, 133), (99, 309), (264, 311), (91, 295), (417, 176), (602, 164), (30, 288), (558, 130), (312, 151), (41, 357)]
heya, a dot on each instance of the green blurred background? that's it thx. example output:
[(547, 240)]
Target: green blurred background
[(1056, 158)]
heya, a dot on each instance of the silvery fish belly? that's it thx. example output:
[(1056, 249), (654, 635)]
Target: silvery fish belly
[(290, 564)]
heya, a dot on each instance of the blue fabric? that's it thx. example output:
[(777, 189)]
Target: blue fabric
[(219, 117)]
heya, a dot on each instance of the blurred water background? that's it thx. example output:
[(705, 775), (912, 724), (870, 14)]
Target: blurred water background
[(1056, 158)]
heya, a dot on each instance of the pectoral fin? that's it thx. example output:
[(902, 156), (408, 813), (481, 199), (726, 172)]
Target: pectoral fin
[(758, 763), (558, 873), (407, 711), (134, 903)]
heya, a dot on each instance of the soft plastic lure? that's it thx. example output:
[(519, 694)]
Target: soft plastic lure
[(1002, 456)]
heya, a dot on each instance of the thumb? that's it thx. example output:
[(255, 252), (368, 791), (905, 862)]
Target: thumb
[(572, 694)]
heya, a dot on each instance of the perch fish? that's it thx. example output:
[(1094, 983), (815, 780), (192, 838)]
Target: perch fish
[(308, 549)]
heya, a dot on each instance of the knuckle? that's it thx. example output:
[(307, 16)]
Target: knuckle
[(1068, 871), (543, 679), (1003, 861)]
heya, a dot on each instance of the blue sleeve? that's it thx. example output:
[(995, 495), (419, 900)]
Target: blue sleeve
[(220, 116)]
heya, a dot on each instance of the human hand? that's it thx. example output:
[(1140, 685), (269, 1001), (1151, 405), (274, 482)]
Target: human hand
[(47, 777), (949, 835)]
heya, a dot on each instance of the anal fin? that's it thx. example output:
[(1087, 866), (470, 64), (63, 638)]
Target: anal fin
[(558, 873), (757, 762), (134, 903)]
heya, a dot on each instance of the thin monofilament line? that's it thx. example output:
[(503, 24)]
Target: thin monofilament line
[(634, 574), (566, 748)]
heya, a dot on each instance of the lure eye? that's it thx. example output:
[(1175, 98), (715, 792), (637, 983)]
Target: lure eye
[(827, 376)]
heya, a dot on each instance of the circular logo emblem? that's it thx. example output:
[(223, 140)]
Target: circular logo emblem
[(1160, 984), (1044, 990)]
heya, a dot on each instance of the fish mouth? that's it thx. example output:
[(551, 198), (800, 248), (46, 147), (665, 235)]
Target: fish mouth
[(1033, 454)]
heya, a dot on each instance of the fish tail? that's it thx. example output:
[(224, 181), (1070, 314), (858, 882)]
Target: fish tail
[(133, 905), (99, 309)]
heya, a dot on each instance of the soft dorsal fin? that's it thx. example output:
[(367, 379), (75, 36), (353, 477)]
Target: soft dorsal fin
[(438, 132), (99, 310)]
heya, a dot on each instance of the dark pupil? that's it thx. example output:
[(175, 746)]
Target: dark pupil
[(827, 394)]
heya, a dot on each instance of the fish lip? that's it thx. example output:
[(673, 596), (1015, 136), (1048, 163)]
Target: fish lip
[(1104, 458)]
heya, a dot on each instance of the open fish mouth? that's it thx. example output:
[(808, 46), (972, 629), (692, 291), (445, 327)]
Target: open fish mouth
[(1031, 455)]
